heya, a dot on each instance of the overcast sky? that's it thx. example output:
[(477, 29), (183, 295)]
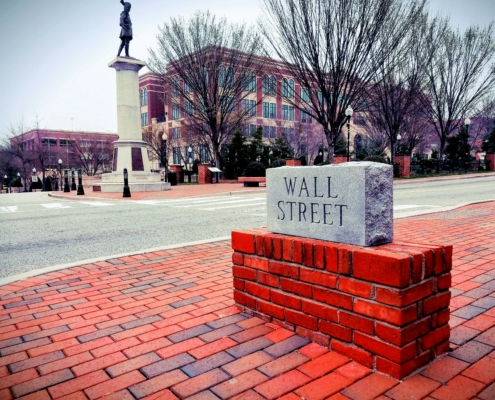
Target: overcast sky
[(54, 53)]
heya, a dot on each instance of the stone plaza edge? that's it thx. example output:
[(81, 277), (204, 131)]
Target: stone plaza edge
[(385, 307)]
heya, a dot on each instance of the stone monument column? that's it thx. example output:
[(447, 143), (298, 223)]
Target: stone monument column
[(130, 151)]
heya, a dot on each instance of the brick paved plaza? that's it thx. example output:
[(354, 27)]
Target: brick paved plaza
[(163, 326)]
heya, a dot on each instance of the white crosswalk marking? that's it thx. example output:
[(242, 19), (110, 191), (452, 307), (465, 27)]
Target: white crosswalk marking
[(96, 203), (234, 206), (55, 206), (229, 201), (9, 209)]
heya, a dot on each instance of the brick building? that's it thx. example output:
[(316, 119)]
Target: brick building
[(265, 96), (67, 146)]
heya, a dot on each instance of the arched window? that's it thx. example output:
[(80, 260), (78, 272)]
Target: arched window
[(273, 86), (266, 84), (222, 76), (229, 79)]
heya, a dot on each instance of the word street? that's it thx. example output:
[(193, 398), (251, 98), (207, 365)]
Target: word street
[(309, 211)]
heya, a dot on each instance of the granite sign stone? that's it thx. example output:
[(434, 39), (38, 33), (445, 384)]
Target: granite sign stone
[(347, 203)]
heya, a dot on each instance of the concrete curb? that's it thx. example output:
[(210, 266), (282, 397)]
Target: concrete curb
[(443, 178), (36, 272), (440, 209)]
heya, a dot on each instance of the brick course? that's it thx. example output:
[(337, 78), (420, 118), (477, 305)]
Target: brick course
[(385, 307)]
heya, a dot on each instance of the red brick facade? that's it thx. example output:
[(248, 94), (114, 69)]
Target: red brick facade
[(404, 166), (491, 158), (386, 307), (177, 169), (339, 159), (293, 163), (204, 174)]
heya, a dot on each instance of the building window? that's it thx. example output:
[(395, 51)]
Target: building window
[(85, 143), (204, 154), (226, 76), (176, 133), (270, 132), (189, 108), (249, 82), (187, 88), (305, 116), (50, 142), (175, 112), (144, 119), (269, 110), (287, 88), (269, 85), (176, 155), (288, 112), (227, 103), (249, 107), (66, 143), (305, 95), (144, 97), (175, 87)]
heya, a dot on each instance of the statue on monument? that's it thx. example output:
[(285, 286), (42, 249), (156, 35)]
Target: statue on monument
[(126, 31)]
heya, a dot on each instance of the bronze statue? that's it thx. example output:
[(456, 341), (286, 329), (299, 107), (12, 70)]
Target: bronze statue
[(126, 31)]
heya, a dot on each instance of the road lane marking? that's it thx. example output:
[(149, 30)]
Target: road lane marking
[(234, 206), (9, 209), (96, 204), (223, 202), (53, 206)]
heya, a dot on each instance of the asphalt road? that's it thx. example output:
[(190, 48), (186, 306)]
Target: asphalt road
[(38, 231)]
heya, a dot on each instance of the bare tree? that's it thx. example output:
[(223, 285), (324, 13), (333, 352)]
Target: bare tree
[(157, 146), (460, 75), (395, 97), (209, 67), (20, 156), (91, 156), (333, 49)]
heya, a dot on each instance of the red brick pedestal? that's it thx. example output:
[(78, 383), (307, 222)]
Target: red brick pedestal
[(491, 164), (386, 307), (292, 162), (204, 174), (339, 159), (177, 169), (404, 166)]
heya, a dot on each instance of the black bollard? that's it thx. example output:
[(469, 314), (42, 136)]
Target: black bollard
[(80, 188), (66, 183), (127, 189), (73, 173)]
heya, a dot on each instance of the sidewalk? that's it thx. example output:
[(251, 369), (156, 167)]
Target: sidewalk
[(162, 326)]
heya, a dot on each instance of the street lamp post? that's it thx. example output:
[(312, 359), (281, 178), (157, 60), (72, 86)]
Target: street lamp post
[(6, 183), (348, 114), (19, 179), (73, 174), (399, 137), (66, 181), (164, 157), (127, 189), (60, 173), (80, 187), (190, 161), (467, 122), (33, 180)]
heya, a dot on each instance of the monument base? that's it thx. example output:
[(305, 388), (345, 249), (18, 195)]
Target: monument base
[(386, 307), (134, 187), (138, 182)]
